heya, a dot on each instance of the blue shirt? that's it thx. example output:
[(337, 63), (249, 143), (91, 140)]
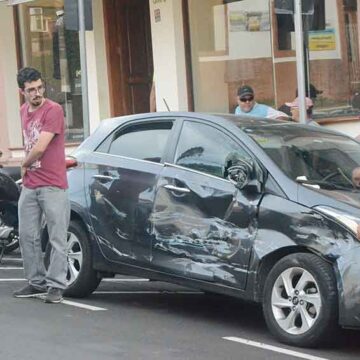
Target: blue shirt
[(261, 110)]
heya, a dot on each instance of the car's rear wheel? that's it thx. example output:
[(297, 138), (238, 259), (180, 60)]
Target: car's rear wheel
[(82, 280), (300, 300)]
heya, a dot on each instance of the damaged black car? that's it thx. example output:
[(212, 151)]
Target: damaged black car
[(263, 210)]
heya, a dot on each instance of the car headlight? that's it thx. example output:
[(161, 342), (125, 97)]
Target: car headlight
[(349, 221)]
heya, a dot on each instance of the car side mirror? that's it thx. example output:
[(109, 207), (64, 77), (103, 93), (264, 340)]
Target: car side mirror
[(240, 173)]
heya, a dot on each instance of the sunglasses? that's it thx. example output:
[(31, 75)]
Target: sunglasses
[(247, 99)]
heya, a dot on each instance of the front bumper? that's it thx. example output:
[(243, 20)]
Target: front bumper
[(348, 272)]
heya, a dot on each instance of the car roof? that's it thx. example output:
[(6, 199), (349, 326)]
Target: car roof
[(244, 123), (235, 119)]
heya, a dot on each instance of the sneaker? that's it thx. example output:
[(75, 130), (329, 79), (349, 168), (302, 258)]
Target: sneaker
[(29, 291), (54, 296)]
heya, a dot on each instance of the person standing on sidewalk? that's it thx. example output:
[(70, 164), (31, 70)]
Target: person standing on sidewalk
[(44, 191)]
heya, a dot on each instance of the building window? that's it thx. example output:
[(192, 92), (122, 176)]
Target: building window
[(47, 45), (230, 46), (333, 60)]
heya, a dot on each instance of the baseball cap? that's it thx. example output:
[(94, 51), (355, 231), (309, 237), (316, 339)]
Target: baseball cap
[(308, 102), (245, 90)]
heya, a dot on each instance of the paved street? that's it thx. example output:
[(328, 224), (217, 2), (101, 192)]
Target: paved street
[(130, 318)]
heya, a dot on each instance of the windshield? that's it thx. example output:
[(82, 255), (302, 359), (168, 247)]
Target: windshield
[(312, 157)]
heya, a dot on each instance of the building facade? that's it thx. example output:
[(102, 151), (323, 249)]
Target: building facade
[(195, 52)]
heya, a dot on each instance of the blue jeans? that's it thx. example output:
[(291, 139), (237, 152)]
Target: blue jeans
[(51, 204)]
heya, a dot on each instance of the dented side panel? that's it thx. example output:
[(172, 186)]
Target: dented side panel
[(285, 223), (120, 202), (205, 232), (349, 288), (298, 226)]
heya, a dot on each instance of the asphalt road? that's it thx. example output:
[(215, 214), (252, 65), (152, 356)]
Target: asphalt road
[(134, 319)]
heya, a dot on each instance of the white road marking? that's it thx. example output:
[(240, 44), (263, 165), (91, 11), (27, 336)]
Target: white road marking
[(83, 306), (125, 280), (9, 280), (11, 259), (106, 280), (148, 292), (11, 268), (273, 348)]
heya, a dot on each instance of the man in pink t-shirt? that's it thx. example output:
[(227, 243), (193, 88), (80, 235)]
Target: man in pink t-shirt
[(44, 192)]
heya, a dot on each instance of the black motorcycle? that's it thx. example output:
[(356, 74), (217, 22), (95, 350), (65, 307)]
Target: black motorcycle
[(9, 196)]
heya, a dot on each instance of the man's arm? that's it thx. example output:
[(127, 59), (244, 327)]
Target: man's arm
[(38, 150), (276, 114)]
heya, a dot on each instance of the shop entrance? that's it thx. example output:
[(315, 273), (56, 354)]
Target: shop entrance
[(129, 55)]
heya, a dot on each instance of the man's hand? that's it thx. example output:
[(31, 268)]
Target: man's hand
[(39, 148)]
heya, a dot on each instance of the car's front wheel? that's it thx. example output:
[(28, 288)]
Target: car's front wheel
[(300, 300), (82, 280)]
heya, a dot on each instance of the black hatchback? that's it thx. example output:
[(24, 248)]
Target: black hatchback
[(263, 210)]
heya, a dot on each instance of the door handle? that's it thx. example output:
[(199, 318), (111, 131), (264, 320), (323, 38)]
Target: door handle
[(104, 177), (177, 189)]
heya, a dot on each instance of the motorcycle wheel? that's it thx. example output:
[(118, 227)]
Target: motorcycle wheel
[(14, 235), (13, 244)]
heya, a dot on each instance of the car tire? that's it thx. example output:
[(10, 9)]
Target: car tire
[(82, 278), (300, 301)]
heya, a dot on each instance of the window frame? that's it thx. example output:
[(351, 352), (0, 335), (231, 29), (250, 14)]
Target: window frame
[(105, 145), (235, 139)]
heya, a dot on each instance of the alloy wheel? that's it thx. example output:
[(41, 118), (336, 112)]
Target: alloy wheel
[(296, 301), (74, 257)]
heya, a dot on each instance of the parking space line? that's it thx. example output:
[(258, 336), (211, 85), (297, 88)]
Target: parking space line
[(273, 348), (106, 280), (12, 259), (9, 280), (125, 280), (83, 306), (11, 268), (148, 292)]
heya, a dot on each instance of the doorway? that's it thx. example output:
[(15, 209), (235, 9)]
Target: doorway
[(129, 55)]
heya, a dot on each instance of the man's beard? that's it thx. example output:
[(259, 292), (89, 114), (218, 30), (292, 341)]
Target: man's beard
[(37, 101)]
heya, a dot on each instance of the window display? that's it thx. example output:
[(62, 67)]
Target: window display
[(231, 46), (50, 47), (252, 42)]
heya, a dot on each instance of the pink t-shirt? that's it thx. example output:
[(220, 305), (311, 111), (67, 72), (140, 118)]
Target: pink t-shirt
[(50, 169)]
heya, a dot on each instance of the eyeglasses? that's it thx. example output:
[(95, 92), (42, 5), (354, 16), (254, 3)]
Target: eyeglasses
[(33, 91), (247, 99)]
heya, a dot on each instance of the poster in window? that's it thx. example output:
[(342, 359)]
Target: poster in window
[(323, 40), (249, 21)]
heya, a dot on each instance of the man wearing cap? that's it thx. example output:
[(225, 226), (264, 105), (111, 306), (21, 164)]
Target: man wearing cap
[(248, 106), (294, 108)]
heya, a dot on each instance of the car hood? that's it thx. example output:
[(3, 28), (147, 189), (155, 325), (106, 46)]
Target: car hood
[(346, 200), (348, 197)]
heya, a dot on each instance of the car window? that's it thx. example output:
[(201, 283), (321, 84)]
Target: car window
[(142, 141), (327, 159), (204, 148)]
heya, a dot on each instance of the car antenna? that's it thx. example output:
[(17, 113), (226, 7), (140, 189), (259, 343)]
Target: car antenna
[(167, 106)]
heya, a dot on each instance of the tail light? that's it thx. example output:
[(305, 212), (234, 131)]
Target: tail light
[(70, 162)]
